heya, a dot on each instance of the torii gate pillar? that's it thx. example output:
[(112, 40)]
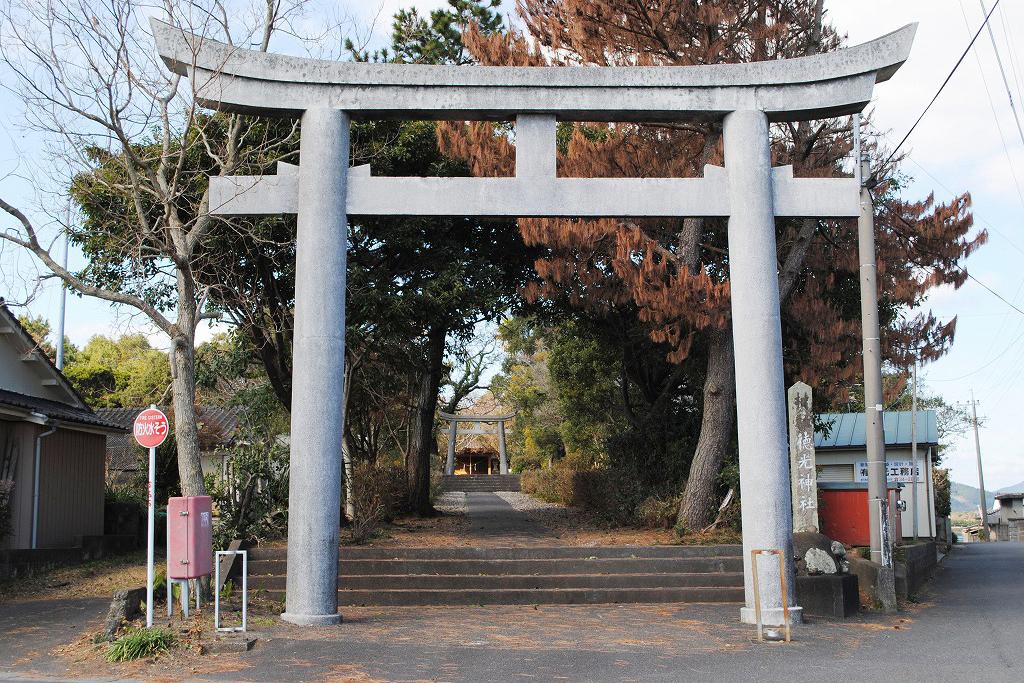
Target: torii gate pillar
[(757, 340), (318, 369)]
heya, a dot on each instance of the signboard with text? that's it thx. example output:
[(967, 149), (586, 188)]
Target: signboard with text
[(151, 428), (898, 472)]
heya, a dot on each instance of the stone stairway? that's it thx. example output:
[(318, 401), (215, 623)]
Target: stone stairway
[(521, 575), (480, 483)]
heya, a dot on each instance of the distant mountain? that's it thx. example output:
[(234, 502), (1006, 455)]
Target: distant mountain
[(1015, 488), (964, 498)]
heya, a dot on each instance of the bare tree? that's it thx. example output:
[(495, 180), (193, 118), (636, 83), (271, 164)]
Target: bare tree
[(129, 130)]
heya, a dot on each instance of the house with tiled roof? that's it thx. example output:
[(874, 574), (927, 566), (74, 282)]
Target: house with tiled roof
[(52, 449), (126, 459)]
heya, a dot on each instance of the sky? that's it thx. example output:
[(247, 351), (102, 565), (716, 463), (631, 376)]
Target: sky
[(968, 141)]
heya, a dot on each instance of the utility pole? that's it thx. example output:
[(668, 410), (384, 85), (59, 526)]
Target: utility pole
[(878, 489), (913, 445), (983, 535), (63, 298)]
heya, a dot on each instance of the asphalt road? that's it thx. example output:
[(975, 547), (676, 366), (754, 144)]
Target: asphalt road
[(968, 627)]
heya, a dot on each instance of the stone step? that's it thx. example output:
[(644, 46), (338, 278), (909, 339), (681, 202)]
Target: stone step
[(460, 582), (516, 553), (478, 488), (460, 485), (569, 596), (485, 483), (656, 565)]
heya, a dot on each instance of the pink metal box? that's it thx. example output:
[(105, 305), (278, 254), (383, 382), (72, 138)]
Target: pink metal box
[(189, 537)]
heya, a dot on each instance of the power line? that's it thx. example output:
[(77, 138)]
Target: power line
[(1013, 56), (963, 270), (983, 367), (945, 82), (945, 187), (995, 114), (1002, 72)]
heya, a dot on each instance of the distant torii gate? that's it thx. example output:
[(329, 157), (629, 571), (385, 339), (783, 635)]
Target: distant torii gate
[(327, 94), (476, 420)]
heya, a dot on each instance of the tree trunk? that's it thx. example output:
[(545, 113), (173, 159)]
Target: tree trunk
[(186, 429), (346, 451), (418, 459), (697, 509)]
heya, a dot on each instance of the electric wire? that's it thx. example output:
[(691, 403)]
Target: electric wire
[(983, 367), (988, 224), (1012, 52), (1002, 72), (944, 83), (995, 114)]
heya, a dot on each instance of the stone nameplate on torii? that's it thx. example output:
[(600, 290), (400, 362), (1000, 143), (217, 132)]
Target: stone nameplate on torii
[(802, 466)]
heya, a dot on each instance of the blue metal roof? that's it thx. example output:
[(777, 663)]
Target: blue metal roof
[(848, 429)]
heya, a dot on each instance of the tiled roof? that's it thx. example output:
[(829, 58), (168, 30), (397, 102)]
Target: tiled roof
[(217, 426), (59, 411), (847, 429)]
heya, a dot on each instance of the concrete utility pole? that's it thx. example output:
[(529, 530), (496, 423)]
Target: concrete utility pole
[(878, 490), (913, 445), (63, 296), (983, 535), (874, 435)]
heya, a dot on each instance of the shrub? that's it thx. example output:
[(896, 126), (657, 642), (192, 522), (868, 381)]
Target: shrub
[(131, 494), (378, 493), (8, 465), (657, 512), (252, 498), (6, 515), (613, 494), (143, 642)]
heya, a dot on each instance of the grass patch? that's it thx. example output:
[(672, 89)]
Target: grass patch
[(141, 643)]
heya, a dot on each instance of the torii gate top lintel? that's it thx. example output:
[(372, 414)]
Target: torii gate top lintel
[(816, 86), (451, 417)]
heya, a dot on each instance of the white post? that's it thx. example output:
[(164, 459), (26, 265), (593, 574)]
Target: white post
[(150, 531), (63, 299), (757, 336), (453, 431), (318, 375), (913, 452), (502, 453)]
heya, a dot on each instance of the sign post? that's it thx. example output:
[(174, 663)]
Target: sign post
[(150, 431)]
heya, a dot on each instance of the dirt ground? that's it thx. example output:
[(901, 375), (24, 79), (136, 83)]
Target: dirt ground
[(98, 579), (567, 526)]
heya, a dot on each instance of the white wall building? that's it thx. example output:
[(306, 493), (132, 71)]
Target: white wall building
[(841, 455)]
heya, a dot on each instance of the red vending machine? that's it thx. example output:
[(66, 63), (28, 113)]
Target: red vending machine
[(189, 537)]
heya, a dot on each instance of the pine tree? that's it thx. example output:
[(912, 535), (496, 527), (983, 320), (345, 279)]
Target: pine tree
[(674, 273)]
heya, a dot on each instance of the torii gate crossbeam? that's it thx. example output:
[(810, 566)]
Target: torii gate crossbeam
[(327, 95)]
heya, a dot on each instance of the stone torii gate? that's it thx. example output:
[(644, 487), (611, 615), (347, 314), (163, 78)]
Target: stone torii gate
[(476, 421), (324, 192)]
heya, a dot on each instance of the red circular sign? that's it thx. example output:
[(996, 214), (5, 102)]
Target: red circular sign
[(151, 428)]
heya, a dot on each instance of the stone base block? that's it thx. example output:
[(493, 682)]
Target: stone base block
[(229, 643), (311, 619), (829, 595), (772, 616), (875, 583)]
